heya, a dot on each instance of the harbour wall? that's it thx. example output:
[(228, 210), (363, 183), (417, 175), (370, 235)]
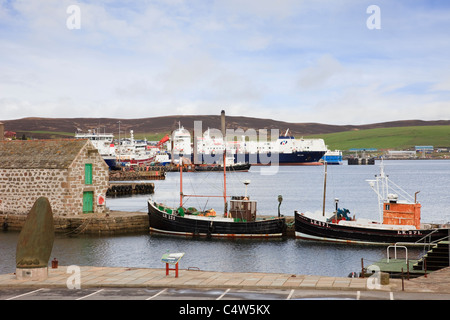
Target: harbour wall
[(114, 222)]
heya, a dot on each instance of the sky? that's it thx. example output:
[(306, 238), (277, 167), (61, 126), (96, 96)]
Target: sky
[(334, 62)]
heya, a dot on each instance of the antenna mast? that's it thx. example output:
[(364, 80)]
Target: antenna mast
[(222, 122)]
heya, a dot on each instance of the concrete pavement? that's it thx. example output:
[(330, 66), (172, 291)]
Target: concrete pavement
[(99, 277)]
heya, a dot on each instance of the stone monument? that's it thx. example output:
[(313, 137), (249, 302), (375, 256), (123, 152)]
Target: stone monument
[(35, 243)]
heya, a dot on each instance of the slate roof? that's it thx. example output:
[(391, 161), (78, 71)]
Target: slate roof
[(39, 154)]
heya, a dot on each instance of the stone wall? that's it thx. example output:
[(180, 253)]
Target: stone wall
[(113, 223), (76, 184), (64, 187), (19, 189)]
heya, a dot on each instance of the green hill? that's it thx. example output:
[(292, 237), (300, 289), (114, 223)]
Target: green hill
[(397, 138), (397, 135)]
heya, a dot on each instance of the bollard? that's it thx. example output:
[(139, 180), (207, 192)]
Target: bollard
[(362, 267), (384, 278)]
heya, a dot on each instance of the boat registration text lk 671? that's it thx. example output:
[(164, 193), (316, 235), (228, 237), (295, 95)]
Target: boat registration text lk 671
[(319, 223)]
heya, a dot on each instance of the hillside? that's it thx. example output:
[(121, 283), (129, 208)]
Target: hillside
[(395, 134), (398, 138), (159, 125)]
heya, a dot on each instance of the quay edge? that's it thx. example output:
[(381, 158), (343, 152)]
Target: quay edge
[(113, 222)]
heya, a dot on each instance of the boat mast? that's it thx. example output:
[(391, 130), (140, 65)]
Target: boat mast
[(181, 181), (222, 121), (380, 186), (324, 190)]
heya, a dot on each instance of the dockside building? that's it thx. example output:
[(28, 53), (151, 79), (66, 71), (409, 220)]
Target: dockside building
[(69, 172)]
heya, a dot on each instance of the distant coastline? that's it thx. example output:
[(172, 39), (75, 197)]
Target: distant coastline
[(393, 135)]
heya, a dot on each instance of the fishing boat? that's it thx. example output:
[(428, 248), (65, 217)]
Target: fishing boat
[(134, 152), (240, 221), (399, 220)]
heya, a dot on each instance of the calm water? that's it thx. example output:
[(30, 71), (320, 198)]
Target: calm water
[(302, 190)]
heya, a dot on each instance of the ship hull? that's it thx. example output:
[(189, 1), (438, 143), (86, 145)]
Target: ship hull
[(136, 161), (110, 161), (294, 158), (210, 227), (234, 167), (312, 229)]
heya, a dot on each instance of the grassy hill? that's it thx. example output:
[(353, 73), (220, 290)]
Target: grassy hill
[(399, 135), (398, 138)]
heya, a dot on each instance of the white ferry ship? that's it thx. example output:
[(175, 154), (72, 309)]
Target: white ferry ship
[(286, 150)]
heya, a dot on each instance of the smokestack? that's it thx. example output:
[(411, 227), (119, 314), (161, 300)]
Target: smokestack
[(222, 122)]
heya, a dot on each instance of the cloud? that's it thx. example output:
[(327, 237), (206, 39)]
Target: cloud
[(442, 85), (318, 75), (290, 60)]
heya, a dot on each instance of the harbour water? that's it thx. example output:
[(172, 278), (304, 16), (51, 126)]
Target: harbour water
[(301, 188)]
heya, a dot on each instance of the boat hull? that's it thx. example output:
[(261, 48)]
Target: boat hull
[(110, 161), (136, 161), (294, 158), (235, 167), (171, 224), (311, 229)]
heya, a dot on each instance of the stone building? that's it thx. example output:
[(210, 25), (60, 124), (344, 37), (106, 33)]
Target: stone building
[(70, 173)]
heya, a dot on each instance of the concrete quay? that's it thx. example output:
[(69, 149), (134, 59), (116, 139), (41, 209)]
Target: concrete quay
[(114, 277), (110, 223)]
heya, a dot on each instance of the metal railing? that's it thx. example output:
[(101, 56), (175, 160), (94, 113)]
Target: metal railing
[(395, 251)]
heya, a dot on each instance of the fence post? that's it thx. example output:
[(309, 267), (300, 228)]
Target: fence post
[(362, 267)]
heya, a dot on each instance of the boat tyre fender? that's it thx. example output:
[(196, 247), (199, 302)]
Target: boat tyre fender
[(281, 223), (210, 229), (282, 226)]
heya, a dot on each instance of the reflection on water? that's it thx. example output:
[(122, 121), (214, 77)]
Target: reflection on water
[(302, 189), (240, 255)]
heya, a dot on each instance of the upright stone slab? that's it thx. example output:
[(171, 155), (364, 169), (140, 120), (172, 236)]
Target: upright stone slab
[(35, 243)]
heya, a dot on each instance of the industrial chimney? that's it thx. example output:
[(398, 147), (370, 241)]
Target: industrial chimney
[(2, 131), (222, 121)]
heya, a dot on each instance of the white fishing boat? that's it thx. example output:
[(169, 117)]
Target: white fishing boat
[(134, 152), (400, 220)]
